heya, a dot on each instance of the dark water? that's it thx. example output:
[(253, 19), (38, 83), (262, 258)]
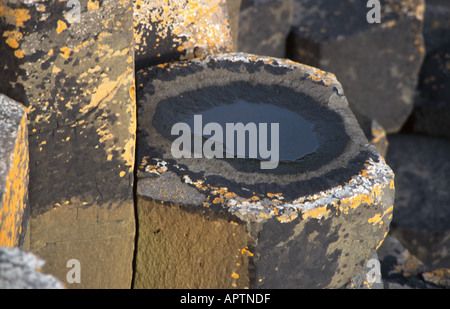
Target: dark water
[(310, 134), (296, 137)]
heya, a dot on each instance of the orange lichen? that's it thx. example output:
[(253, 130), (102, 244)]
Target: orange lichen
[(245, 251), (316, 213), (198, 27), (13, 38), (65, 52), (93, 5), (14, 197), (61, 26), (16, 17), (218, 200), (19, 53)]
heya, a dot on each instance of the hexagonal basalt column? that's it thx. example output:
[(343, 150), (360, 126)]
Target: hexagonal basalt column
[(174, 30), (14, 210), (264, 26), (377, 63), (309, 216), (71, 64)]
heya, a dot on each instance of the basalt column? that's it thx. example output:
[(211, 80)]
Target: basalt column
[(174, 30), (253, 173), (375, 51), (71, 63), (14, 209)]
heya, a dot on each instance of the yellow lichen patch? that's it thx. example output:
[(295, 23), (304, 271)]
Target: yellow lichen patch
[(230, 195), (55, 70), (13, 38), (318, 75), (16, 17), (104, 133), (287, 217), (358, 199), (101, 92), (13, 201), (199, 27), (381, 241), (392, 184), (275, 195), (316, 213), (128, 154), (93, 5), (61, 26), (265, 215), (375, 219), (218, 200), (19, 53), (378, 218), (65, 52), (235, 275), (389, 24), (245, 251)]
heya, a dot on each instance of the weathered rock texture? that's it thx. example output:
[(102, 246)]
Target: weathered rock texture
[(369, 277), (436, 25), (76, 78), (21, 270), (422, 213), (403, 270), (264, 26), (377, 64), (373, 131), (167, 31), (14, 210), (432, 111), (400, 268), (422, 165), (213, 223)]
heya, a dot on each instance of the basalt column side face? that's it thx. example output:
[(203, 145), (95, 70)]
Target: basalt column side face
[(72, 66), (212, 217), (377, 63), (14, 210), (174, 30)]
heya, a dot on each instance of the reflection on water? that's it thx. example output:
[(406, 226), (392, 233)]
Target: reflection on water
[(296, 136)]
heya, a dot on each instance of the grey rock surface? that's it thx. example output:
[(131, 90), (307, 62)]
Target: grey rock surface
[(421, 165), (264, 26), (20, 270), (377, 64)]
